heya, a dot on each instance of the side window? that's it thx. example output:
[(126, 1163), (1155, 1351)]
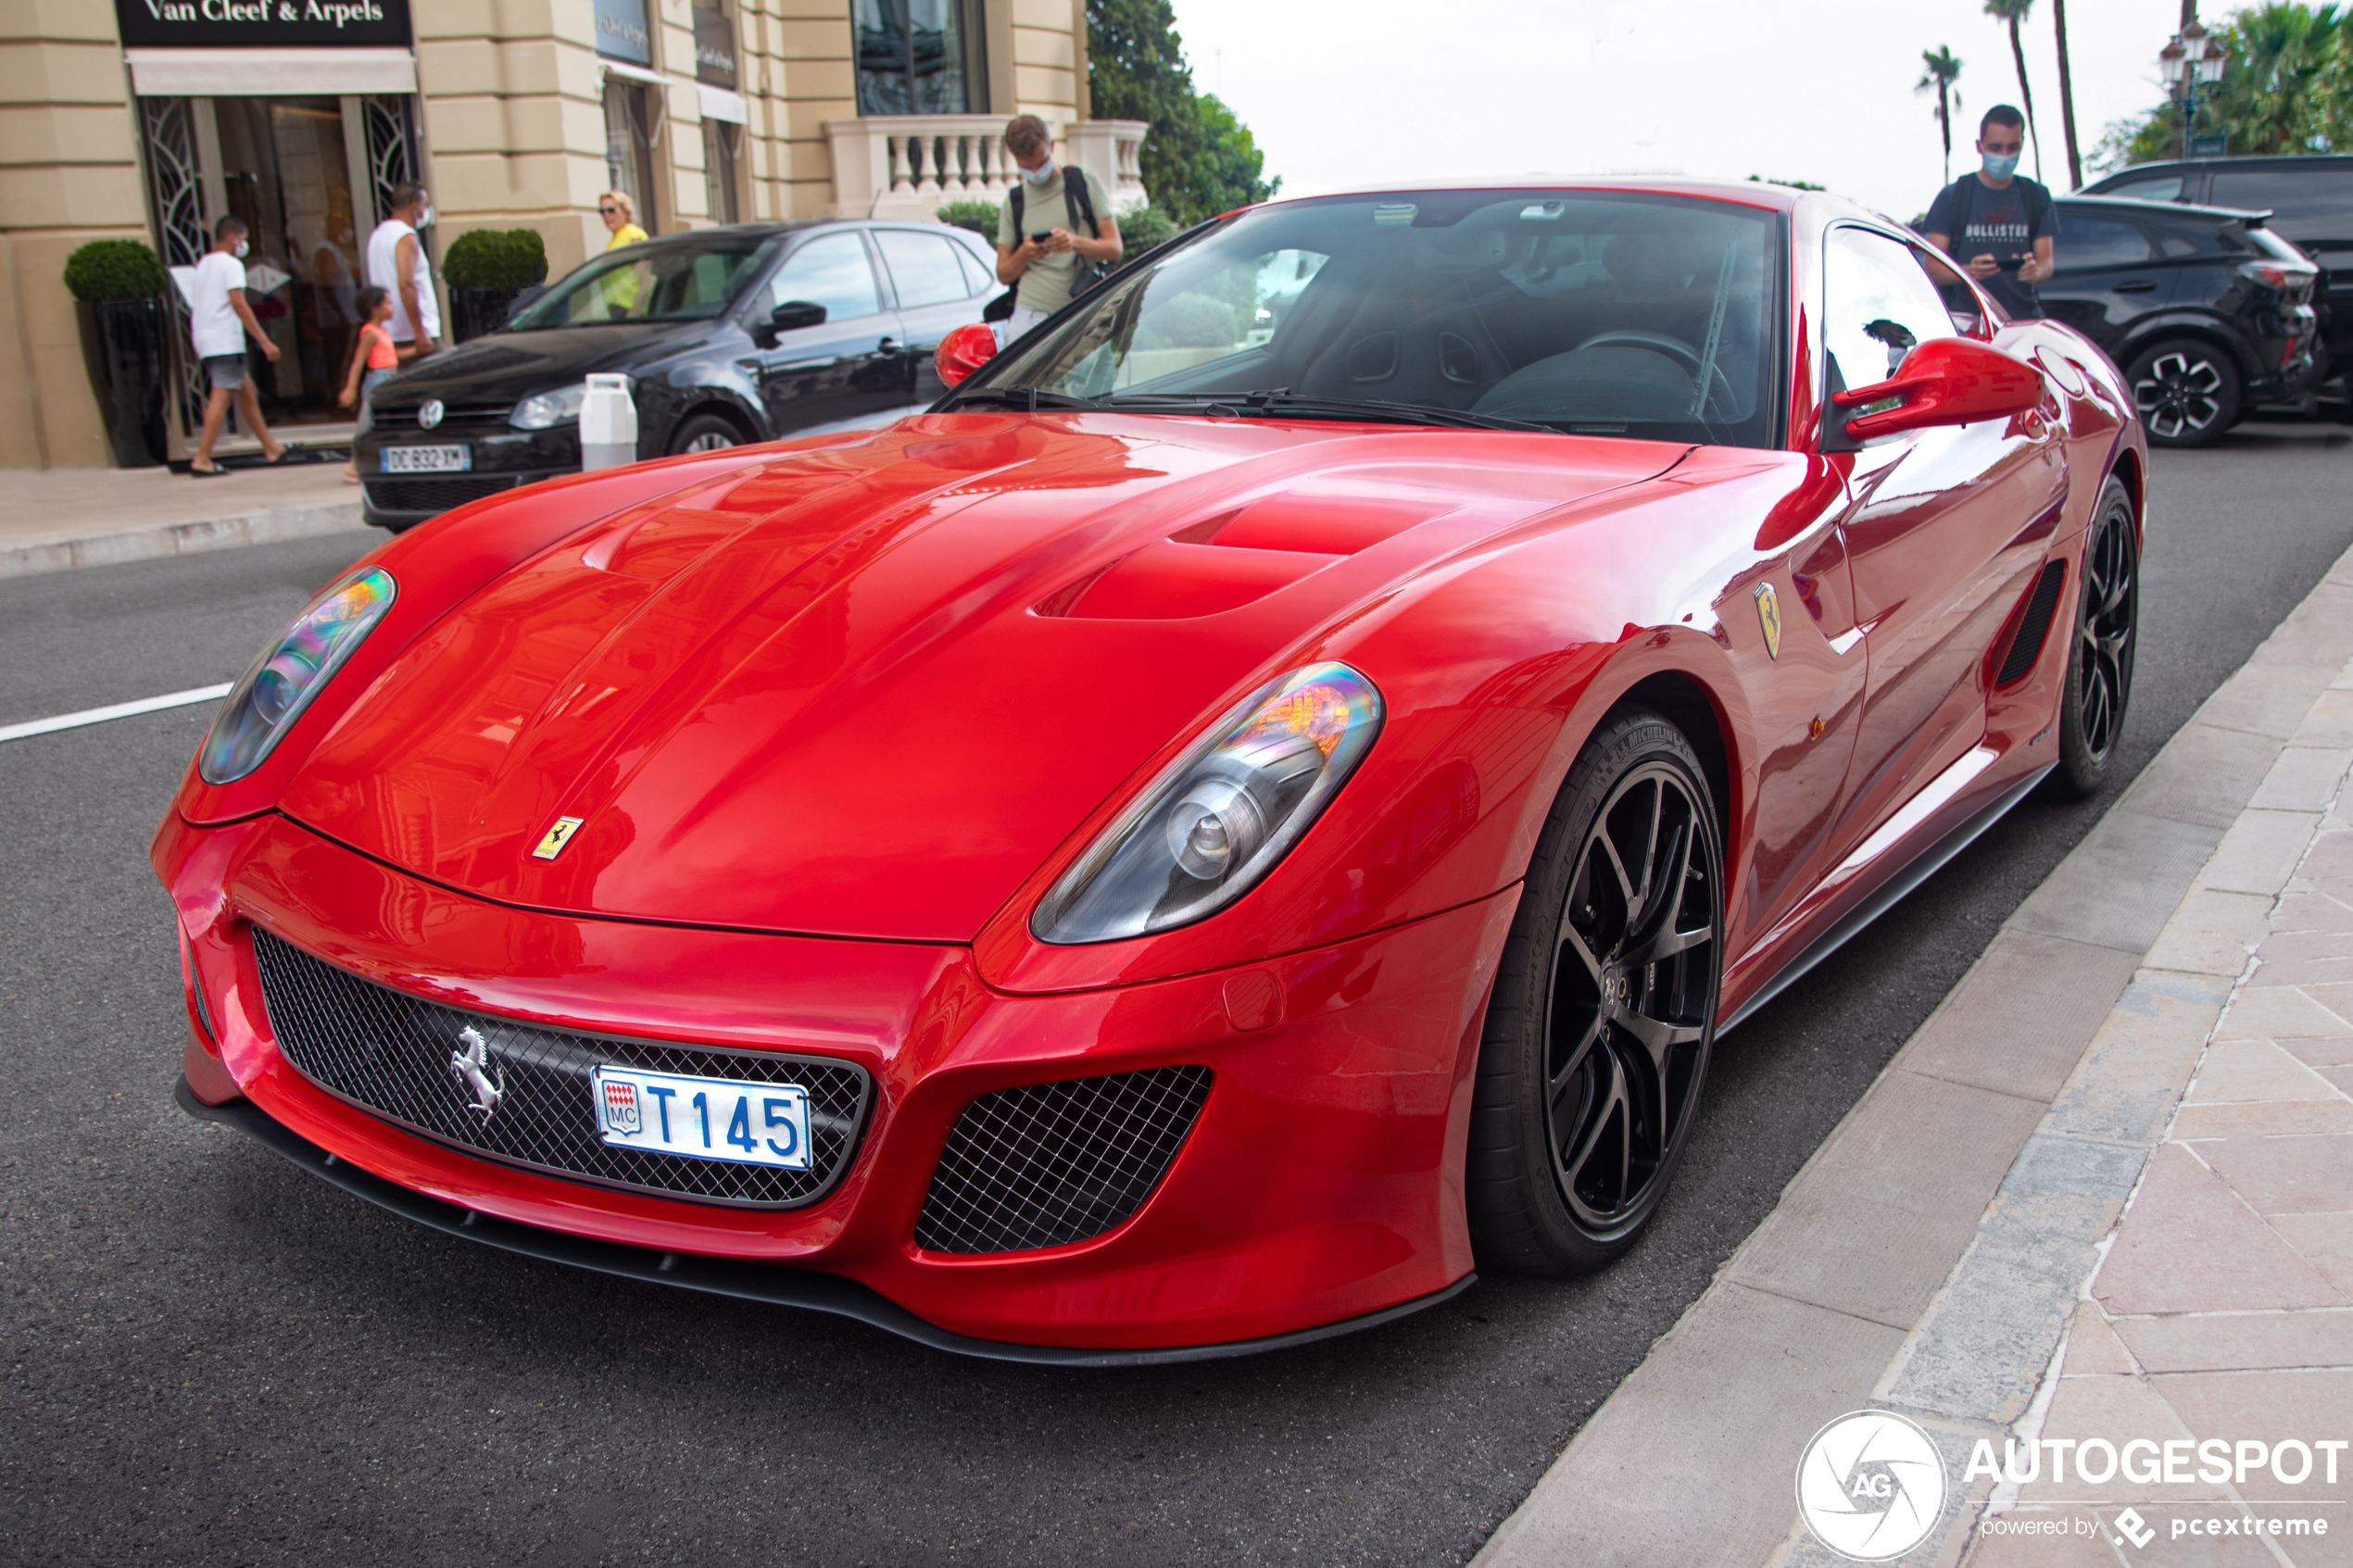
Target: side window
[(2090, 240), (977, 275), (2310, 201), (831, 270), (2156, 188), (1878, 304), (923, 268)]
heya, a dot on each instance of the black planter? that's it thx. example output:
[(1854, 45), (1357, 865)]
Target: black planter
[(475, 312), (124, 339)]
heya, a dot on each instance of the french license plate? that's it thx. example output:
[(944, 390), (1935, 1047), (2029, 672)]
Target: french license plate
[(703, 1118), (425, 459)]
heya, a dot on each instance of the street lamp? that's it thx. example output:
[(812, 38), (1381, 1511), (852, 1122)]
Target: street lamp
[(2192, 65)]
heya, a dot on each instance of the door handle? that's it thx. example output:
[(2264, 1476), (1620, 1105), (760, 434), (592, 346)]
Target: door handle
[(2137, 285), (887, 348)]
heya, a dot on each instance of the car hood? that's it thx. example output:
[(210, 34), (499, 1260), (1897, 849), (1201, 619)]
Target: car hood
[(514, 365), (867, 689)]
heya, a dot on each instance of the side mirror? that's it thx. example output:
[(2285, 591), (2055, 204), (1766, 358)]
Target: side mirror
[(964, 351), (1948, 381), (795, 314)]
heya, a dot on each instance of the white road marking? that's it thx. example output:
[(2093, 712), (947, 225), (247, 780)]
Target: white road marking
[(120, 711)]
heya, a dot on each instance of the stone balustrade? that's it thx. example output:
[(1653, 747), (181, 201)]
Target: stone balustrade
[(908, 166)]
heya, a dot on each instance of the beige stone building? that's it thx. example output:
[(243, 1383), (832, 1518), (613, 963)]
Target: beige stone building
[(150, 118)]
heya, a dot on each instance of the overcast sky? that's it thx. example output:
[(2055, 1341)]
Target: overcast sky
[(1357, 92)]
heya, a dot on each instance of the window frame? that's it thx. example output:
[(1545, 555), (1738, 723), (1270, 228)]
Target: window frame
[(763, 294), (1911, 245)]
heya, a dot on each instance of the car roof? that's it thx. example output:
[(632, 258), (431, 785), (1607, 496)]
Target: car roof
[(1746, 193), (2244, 160), (2171, 209)]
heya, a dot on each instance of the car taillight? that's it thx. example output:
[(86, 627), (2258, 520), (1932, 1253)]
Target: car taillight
[(2277, 276)]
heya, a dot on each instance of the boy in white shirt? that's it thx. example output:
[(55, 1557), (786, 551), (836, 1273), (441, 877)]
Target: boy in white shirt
[(219, 320)]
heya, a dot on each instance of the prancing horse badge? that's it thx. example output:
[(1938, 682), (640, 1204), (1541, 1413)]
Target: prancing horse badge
[(1768, 615), (560, 834)]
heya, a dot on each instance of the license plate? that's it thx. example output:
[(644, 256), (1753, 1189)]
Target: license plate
[(425, 459), (703, 1118)]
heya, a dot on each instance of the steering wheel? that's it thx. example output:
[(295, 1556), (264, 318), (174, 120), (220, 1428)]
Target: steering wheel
[(1674, 348)]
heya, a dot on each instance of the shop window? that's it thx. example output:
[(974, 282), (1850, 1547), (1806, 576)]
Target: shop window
[(720, 142), (920, 57), (629, 151)]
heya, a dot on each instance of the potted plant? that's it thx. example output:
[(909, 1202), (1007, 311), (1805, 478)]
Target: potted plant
[(489, 272), (118, 285)]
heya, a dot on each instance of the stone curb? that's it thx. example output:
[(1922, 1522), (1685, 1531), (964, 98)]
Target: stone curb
[(1929, 1255), (260, 527)]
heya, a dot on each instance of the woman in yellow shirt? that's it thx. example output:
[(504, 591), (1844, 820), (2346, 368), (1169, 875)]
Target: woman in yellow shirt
[(620, 285)]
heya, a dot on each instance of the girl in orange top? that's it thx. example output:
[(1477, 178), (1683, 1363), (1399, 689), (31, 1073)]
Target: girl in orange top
[(372, 357)]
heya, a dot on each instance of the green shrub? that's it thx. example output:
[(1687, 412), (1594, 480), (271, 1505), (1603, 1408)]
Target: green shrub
[(978, 214), (1144, 228), (113, 269), (496, 258)]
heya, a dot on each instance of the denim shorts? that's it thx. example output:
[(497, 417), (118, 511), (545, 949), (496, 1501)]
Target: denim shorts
[(227, 370), (371, 380)]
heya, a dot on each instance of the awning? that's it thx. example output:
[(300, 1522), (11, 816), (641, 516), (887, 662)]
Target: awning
[(231, 73), (718, 103)]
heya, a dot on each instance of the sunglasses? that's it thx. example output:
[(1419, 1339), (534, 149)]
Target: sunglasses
[(609, 211)]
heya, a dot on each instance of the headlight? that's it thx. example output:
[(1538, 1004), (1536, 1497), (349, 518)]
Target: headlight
[(549, 408), (290, 673), (1219, 817)]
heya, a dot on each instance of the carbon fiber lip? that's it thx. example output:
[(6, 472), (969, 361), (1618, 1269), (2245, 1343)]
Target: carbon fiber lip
[(805, 1289)]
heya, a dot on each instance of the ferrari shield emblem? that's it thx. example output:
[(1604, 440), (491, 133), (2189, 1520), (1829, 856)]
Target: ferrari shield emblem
[(1768, 615), (560, 834)]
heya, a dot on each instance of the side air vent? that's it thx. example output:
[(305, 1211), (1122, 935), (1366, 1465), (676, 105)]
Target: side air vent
[(2027, 646), (1048, 1164)]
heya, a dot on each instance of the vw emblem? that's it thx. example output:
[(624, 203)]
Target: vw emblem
[(470, 1064), (430, 415)]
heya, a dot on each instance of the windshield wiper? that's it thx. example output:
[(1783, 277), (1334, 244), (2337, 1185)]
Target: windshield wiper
[(1027, 397), (1288, 402)]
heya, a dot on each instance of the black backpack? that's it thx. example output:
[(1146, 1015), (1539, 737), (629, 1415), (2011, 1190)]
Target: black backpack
[(1078, 205)]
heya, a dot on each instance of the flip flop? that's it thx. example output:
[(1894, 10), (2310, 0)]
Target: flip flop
[(196, 473), (278, 461)]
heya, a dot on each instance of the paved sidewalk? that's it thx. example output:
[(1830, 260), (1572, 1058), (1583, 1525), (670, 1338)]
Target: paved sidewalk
[(58, 518), (1937, 1255)]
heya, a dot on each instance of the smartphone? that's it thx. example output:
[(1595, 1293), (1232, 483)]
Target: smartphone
[(1043, 235)]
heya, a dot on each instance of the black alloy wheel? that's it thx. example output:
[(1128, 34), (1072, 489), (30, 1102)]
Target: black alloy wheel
[(705, 433), (2187, 391), (2099, 664), (1604, 1014)]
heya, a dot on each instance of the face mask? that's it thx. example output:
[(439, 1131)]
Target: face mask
[(1041, 174), (240, 252), (424, 220), (2000, 168)]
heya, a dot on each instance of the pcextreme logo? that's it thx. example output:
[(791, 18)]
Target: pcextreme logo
[(1871, 1485)]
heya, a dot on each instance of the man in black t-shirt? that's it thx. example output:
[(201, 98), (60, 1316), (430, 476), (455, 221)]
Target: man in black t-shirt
[(1996, 223)]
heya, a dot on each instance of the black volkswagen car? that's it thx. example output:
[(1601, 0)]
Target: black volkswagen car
[(2209, 311), (750, 332)]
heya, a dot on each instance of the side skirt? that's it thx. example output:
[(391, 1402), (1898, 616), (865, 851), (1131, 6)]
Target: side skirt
[(1916, 871), (804, 1288)]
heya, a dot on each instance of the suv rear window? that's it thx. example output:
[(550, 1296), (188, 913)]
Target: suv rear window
[(2318, 202)]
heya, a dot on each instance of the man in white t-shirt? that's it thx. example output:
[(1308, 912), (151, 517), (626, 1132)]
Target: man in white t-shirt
[(218, 321), (396, 264)]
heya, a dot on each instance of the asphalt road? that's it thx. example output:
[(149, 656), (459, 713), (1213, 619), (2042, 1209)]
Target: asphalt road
[(211, 1357)]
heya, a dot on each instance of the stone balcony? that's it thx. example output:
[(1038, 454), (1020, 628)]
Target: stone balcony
[(907, 166)]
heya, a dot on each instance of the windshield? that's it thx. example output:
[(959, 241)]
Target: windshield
[(673, 281), (1601, 313)]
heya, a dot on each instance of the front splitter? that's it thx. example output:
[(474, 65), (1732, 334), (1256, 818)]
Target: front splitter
[(804, 1288)]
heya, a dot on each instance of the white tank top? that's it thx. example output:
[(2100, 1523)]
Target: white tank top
[(383, 246)]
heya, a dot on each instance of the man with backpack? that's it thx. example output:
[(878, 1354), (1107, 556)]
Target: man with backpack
[(1055, 233), (1996, 223)]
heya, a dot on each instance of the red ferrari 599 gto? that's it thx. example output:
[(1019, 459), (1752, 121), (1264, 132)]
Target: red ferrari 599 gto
[(1259, 803)]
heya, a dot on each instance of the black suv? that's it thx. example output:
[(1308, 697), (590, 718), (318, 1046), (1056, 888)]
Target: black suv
[(750, 332), (2208, 310), (2311, 200)]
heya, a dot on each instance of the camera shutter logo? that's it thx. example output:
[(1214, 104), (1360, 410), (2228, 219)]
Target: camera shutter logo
[(1871, 1485)]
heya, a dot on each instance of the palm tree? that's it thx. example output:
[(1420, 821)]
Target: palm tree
[(2013, 12), (1943, 69), (2067, 98)]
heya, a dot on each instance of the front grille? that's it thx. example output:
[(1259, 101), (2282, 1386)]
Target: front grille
[(2027, 646), (1048, 1164), (388, 1052), (434, 494), (453, 413)]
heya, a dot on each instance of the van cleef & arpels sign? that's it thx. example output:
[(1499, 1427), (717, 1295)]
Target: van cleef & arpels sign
[(230, 24)]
